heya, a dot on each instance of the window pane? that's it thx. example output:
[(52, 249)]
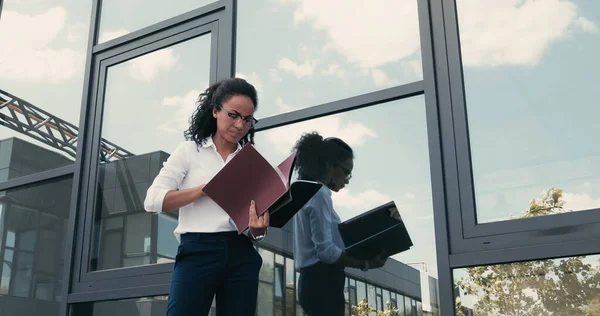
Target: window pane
[(309, 52), (566, 286), (267, 269), (529, 74), (159, 90), (44, 47), (31, 275), (143, 306), (289, 272), (392, 164), (265, 299), (123, 17)]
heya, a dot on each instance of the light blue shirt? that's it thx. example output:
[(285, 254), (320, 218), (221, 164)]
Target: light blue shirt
[(316, 234)]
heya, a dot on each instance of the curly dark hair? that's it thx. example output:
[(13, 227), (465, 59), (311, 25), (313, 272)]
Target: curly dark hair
[(314, 154), (203, 124)]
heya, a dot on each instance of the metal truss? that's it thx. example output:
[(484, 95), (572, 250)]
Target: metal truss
[(25, 118)]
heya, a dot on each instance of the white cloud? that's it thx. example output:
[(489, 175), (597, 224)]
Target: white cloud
[(253, 79), (360, 202), (110, 35), (77, 32), (283, 107), (579, 202), (274, 75), (380, 78), (304, 70), (514, 32), (586, 25), (147, 67), (383, 33), (180, 109), (27, 52), (334, 70), (353, 133)]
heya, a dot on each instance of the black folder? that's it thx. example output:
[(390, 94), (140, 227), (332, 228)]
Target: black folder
[(380, 229), (287, 206)]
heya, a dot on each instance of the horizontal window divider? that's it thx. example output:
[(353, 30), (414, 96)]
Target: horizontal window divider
[(130, 282), (39, 177), (348, 104), (528, 253), (150, 269), (172, 24), (545, 224), (119, 294)]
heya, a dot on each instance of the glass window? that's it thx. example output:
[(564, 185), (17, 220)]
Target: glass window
[(309, 52), (159, 90), (41, 83), (565, 286), (120, 18), (33, 221), (267, 269), (361, 291), (529, 70), (392, 164), (408, 306), (142, 306), (265, 299)]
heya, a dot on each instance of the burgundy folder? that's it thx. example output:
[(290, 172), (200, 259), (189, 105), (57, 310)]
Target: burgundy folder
[(249, 176)]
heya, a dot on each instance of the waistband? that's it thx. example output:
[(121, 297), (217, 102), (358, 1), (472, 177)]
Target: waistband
[(226, 235)]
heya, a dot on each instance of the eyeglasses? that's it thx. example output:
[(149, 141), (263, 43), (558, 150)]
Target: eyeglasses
[(249, 121), (347, 173)]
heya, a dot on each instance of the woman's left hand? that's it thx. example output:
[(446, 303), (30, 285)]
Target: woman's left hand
[(258, 224)]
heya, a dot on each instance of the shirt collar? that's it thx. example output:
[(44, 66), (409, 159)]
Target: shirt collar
[(208, 142)]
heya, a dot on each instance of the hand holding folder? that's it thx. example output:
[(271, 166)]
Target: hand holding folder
[(249, 176)]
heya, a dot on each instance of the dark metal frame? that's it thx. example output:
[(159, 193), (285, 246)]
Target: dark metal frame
[(460, 240), (471, 243)]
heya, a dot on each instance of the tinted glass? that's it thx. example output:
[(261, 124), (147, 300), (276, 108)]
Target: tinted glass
[(530, 70)]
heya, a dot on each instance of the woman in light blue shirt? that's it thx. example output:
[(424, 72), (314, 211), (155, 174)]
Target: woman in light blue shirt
[(318, 246)]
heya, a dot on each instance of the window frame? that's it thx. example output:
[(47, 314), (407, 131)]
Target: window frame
[(471, 243)]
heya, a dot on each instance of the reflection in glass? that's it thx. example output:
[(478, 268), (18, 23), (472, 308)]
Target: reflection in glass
[(33, 220), (567, 286), (158, 91), (391, 164), (527, 135), (143, 306), (122, 17), (309, 52), (41, 82)]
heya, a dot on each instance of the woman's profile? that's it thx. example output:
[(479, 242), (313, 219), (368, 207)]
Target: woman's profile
[(213, 260), (318, 247)]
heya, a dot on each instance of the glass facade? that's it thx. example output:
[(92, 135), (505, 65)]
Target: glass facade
[(477, 119)]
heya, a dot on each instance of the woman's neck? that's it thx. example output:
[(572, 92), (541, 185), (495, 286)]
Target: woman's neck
[(224, 147)]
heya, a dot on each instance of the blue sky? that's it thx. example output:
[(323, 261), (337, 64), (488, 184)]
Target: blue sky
[(530, 76)]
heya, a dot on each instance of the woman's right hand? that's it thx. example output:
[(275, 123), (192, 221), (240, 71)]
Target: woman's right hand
[(378, 261)]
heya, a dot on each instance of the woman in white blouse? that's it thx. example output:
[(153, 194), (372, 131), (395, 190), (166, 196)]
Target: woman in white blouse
[(212, 258)]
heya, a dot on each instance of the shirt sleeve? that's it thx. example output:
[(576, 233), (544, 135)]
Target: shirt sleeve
[(320, 215), (169, 178)]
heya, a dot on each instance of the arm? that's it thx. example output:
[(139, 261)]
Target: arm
[(163, 195)]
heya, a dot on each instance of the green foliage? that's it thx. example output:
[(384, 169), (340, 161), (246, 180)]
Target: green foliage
[(546, 287), (363, 309)]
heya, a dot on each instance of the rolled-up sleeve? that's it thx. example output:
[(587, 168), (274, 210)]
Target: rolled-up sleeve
[(169, 178), (320, 214)]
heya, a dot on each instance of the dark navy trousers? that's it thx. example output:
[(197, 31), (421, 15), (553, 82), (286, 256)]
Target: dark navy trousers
[(321, 290), (208, 264)]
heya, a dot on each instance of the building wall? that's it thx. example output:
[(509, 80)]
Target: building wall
[(461, 113)]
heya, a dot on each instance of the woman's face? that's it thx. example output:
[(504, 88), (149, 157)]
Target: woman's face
[(340, 174), (234, 118)]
